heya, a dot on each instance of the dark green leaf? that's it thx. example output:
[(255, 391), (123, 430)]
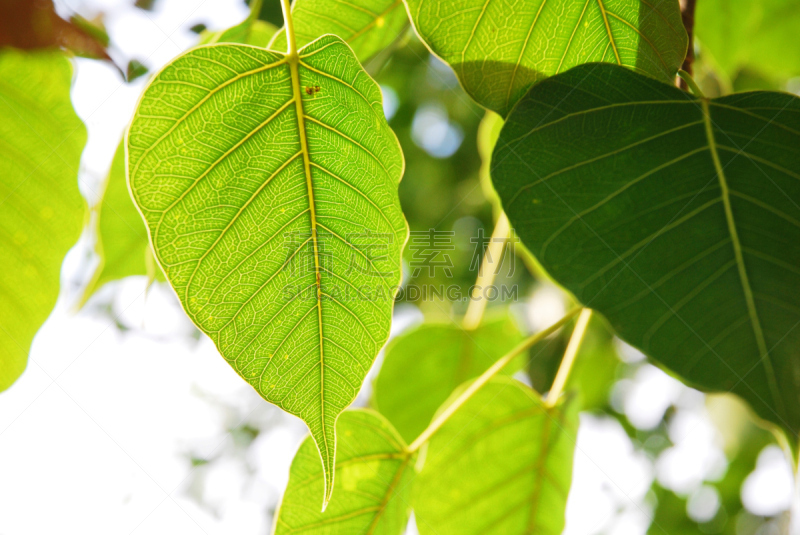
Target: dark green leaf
[(423, 367), (41, 210), (374, 482), (675, 217), (269, 186), (499, 49), (502, 464)]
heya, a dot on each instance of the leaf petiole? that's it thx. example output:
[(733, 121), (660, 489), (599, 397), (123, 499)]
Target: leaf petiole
[(486, 272), (484, 378), (289, 25), (686, 77), (569, 358)]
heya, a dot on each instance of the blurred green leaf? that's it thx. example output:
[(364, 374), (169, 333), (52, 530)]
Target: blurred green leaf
[(499, 49), (368, 26), (502, 464), (269, 187), (135, 70), (261, 33), (122, 243), (422, 368), (756, 35), (250, 31), (374, 482), (672, 216), (41, 209)]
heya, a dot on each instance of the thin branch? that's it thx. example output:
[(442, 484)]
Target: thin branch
[(289, 25), (484, 378), (569, 358), (486, 272), (687, 79)]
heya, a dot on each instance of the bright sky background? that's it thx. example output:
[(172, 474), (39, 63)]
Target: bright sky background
[(98, 434)]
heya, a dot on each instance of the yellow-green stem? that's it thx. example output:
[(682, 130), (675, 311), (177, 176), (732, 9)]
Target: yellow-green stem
[(486, 273), (289, 25), (686, 77), (476, 385), (569, 358)]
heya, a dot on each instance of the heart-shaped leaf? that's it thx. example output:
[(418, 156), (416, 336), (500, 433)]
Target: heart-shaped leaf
[(41, 210), (502, 464), (375, 475), (499, 49), (269, 183), (676, 217)]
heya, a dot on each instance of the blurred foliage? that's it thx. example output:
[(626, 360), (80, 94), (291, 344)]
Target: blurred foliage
[(441, 191), (752, 44)]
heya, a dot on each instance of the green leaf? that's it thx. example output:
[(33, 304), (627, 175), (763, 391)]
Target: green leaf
[(673, 216), (269, 186), (41, 210), (368, 26), (250, 31), (499, 49), (122, 243), (502, 464), (375, 474), (758, 35), (261, 33), (422, 368)]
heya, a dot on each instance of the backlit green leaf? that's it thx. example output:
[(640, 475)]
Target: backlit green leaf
[(499, 49), (675, 217), (269, 187), (423, 367), (368, 26), (373, 489), (757, 35), (41, 210), (501, 465), (122, 244)]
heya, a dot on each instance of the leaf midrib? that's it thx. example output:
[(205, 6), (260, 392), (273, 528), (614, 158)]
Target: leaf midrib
[(294, 62), (737, 250)]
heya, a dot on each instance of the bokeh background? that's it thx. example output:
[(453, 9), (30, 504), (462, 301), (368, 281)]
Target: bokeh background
[(128, 421)]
